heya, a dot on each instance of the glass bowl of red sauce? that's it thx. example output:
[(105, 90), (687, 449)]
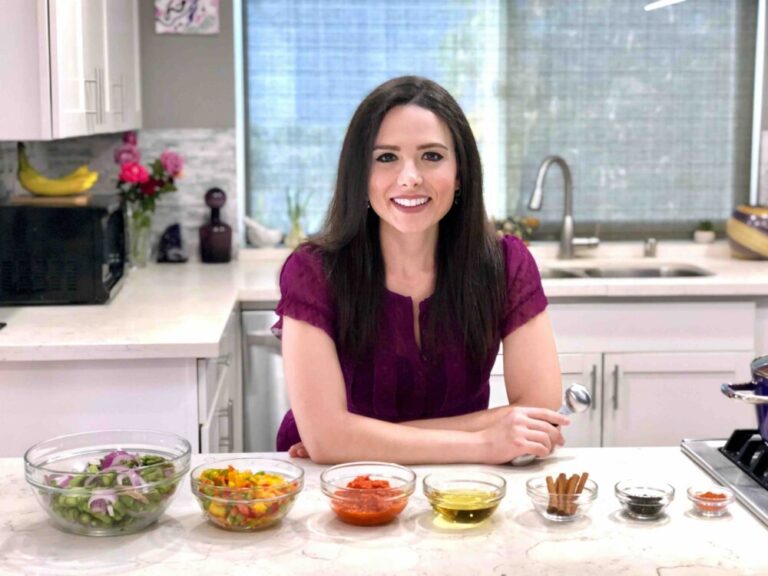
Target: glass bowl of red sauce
[(710, 501), (368, 493)]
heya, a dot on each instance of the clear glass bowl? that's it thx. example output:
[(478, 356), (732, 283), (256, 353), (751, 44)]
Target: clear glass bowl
[(106, 483), (249, 508), (710, 501), (368, 502), (560, 507), (464, 496), (644, 499)]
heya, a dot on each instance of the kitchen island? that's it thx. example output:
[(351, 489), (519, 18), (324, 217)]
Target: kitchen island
[(310, 540)]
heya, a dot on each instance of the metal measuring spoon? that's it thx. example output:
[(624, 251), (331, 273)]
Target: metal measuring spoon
[(577, 399)]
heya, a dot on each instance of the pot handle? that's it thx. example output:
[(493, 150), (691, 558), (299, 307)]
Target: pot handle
[(744, 392)]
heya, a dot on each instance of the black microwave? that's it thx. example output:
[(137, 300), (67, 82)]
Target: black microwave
[(58, 253)]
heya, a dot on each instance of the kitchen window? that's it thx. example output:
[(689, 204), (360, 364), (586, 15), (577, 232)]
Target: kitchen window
[(309, 63), (652, 110)]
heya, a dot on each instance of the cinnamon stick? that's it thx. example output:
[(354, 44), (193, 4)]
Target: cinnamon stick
[(552, 491), (569, 507), (582, 483)]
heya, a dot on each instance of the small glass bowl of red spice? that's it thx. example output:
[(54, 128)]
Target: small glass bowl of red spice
[(710, 501), (368, 493), (246, 494)]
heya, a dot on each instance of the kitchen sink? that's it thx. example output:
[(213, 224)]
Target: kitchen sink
[(633, 271), (550, 273)]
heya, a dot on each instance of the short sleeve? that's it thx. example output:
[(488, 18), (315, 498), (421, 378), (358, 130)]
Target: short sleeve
[(305, 293), (525, 295)]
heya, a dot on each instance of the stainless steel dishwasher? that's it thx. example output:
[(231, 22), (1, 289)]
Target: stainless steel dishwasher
[(265, 401)]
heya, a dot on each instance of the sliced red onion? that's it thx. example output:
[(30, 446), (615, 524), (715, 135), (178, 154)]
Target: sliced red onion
[(101, 501), (133, 476), (119, 457), (58, 481)]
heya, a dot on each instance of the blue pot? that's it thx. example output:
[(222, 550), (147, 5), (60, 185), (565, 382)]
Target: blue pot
[(754, 392)]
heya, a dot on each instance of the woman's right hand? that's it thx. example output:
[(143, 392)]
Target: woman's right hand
[(523, 430)]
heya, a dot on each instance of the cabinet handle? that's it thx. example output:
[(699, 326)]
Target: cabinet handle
[(225, 442), (264, 339), (99, 97), (118, 88), (593, 386), (91, 114), (616, 387)]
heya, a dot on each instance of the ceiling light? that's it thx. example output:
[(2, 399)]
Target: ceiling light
[(661, 4)]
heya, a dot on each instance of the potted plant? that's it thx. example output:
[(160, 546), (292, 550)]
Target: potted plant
[(297, 208), (704, 233)]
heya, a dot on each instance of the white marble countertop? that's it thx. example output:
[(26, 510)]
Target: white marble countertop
[(310, 540), (180, 311)]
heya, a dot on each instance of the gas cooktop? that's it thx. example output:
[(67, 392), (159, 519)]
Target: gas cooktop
[(739, 463)]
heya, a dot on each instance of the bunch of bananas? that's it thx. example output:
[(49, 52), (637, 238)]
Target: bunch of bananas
[(76, 182)]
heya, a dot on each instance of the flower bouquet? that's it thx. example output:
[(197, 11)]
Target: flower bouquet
[(141, 188)]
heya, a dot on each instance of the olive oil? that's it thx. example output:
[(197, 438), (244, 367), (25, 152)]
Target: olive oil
[(464, 506)]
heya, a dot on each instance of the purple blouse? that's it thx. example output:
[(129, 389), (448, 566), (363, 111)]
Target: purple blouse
[(401, 382)]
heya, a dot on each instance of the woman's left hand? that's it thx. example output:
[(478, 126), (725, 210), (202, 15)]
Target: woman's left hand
[(298, 451)]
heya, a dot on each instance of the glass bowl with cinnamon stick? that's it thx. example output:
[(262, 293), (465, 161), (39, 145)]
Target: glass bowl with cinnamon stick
[(562, 497)]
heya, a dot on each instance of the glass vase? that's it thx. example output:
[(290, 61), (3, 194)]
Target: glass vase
[(141, 236), (296, 236)]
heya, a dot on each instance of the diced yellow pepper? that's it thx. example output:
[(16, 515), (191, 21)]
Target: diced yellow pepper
[(217, 509)]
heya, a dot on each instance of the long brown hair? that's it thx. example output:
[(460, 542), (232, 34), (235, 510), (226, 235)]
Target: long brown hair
[(470, 282)]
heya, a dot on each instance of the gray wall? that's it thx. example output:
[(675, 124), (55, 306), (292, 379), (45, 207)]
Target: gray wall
[(188, 81)]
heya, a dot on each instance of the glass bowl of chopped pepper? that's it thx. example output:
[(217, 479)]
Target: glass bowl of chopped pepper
[(106, 483), (368, 493), (246, 494), (710, 501)]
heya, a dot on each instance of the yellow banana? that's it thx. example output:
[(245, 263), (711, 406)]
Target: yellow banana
[(78, 181)]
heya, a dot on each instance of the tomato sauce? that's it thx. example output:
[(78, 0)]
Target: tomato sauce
[(368, 502)]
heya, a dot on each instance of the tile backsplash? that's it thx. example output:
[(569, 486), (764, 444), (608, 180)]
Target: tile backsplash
[(209, 161)]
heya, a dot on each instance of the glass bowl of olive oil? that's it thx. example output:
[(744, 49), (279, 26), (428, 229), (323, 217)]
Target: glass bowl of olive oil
[(464, 497)]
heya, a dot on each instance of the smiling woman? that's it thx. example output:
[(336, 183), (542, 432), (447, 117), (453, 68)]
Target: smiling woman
[(414, 175), (392, 317)]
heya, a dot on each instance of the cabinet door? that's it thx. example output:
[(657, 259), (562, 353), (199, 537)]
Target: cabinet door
[(122, 89), (584, 369), (220, 394), (74, 78), (659, 399)]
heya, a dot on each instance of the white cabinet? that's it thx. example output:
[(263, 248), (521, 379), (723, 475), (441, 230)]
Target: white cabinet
[(220, 393), (654, 369), (73, 70), (199, 399), (659, 399), (584, 369)]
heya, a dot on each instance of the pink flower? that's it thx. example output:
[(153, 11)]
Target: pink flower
[(127, 154), (130, 138), (133, 172), (172, 163)]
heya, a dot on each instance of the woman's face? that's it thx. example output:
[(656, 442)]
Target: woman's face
[(413, 171)]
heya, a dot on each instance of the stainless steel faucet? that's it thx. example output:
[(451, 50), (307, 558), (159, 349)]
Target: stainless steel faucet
[(567, 240)]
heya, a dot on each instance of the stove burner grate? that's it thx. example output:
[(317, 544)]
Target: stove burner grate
[(749, 452)]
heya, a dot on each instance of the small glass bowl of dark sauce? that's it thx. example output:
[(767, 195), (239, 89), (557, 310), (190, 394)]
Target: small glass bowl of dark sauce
[(644, 499)]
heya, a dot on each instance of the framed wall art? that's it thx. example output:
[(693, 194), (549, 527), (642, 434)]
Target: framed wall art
[(187, 16)]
